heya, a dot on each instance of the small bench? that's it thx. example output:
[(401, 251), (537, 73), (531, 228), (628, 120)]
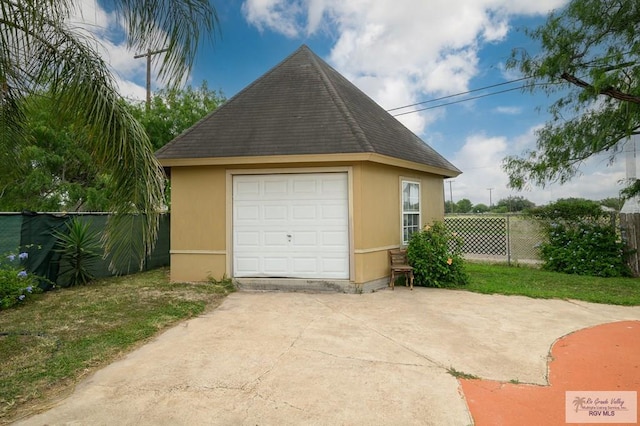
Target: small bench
[(400, 266)]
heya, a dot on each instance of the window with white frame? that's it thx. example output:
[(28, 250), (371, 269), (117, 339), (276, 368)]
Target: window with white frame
[(410, 209)]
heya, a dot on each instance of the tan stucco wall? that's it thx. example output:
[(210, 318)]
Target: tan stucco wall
[(198, 222), (199, 246), (377, 214), (197, 266)]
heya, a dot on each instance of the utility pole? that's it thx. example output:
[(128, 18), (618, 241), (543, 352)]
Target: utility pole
[(490, 202), (148, 55), (451, 195)]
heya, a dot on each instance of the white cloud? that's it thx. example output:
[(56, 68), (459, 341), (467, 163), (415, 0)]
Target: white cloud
[(480, 160), (106, 33), (281, 15), (131, 90), (87, 14), (418, 49), (508, 110)]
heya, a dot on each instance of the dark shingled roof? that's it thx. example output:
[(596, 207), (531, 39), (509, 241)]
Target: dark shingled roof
[(301, 106)]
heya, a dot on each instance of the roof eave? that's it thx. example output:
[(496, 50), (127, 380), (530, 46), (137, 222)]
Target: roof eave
[(309, 158)]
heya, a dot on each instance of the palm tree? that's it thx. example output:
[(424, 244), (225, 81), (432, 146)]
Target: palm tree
[(41, 51), (578, 402)]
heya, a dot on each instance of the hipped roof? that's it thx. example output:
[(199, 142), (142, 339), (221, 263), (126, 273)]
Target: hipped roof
[(302, 107)]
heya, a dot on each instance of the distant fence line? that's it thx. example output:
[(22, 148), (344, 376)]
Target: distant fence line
[(34, 233), (503, 237), (516, 238)]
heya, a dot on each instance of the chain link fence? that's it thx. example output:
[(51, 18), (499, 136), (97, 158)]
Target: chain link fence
[(506, 238)]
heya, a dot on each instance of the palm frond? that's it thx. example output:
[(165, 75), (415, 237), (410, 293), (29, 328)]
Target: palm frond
[(39, 50), (177, 26)]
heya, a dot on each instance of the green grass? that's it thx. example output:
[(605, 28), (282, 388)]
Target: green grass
[(47, 345), (531, 282)]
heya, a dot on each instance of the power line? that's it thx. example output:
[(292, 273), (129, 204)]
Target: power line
[(474, 97), (461, 93), (461, 100)]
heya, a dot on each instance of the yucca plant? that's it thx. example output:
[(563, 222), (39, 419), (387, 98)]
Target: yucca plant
[(79, 248)]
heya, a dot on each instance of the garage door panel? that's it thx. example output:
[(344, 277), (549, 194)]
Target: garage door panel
[(305, 238), (333, 212), (294, 225), (247, 212), (247, 189), (305, 266), (276, 188), (275, 240), (275, 212), (333, 187), (276, 265), (335, 266), (304, 186), (248, 239), (246, 265), (304, 212), (334, 239)]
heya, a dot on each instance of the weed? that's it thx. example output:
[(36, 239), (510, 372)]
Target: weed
[(461, 375), (223, 286)]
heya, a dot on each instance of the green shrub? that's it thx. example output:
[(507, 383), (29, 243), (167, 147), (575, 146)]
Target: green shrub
[(16, 284), (436, 256), (586, 248), (581, 239), (570, 209), (79, 249)]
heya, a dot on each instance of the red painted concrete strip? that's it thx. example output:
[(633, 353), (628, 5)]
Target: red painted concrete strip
[(601, 358)]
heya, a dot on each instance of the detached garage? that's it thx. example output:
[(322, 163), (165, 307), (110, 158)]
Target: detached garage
[(299, 182)]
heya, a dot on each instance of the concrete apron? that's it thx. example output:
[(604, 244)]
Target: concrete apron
[(296, 358)]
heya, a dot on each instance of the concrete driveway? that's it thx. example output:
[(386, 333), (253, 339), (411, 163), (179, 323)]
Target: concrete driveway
[(334, 359)]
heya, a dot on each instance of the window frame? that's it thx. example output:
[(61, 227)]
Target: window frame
[(414, 226)]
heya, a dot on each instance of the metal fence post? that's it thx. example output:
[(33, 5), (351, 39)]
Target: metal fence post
[(508, 223)]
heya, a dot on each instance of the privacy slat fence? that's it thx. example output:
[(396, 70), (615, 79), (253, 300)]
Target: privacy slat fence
[(630, 230), (34, 233)]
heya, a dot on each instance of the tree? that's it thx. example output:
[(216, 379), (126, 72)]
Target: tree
[(53, 172), (570, 209), (515, 204), (174, 110), (57, 173), (464, 206), (41, 51), (450, 207), (480, 208), (591, 60), (613, 203)]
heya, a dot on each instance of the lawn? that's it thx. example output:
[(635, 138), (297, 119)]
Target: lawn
[(528, 281), (53, 341)]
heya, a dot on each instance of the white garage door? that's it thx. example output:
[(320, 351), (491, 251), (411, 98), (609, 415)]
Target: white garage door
[(291, 226)]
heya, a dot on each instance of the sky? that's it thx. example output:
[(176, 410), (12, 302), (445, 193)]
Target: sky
[(399, 52)]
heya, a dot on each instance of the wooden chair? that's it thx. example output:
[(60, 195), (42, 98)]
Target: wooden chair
[(400, 266)]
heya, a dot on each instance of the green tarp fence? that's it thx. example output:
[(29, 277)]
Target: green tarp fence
[(34, 233)]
